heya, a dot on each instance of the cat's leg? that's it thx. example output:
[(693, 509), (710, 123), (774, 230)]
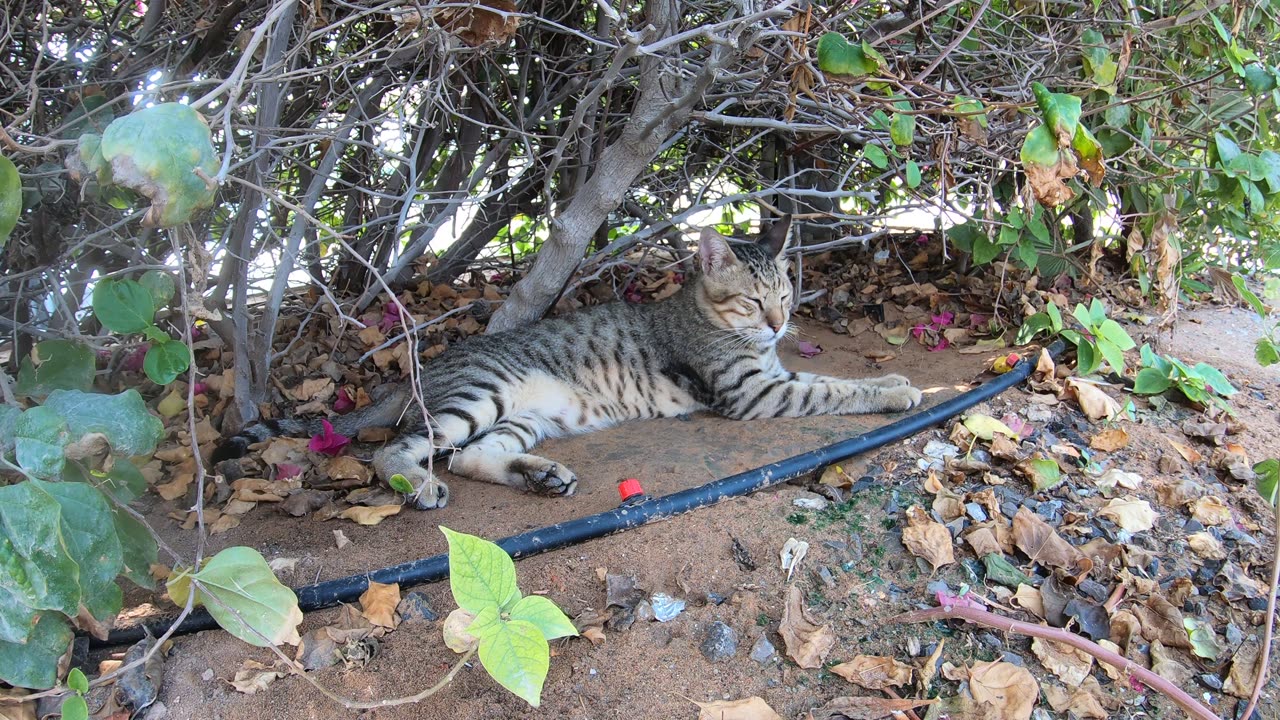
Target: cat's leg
[(782, 396), (499, 457), (882, 381), (406, 454)]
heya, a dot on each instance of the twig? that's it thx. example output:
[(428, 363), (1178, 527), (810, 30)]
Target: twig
[(986, 619), (1264, 659)]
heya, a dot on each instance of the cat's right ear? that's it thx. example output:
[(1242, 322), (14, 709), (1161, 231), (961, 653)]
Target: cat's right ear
[(714, 253)]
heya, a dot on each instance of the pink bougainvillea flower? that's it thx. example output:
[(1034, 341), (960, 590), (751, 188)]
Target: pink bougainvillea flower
[(946, 599), (391, 315), (284, 471), (133, 361), (808, 349), (943, 344), (344, 404), (328, 442), (943, 320), (200, 388)]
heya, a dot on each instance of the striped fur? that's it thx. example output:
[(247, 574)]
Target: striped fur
[(711, 346)]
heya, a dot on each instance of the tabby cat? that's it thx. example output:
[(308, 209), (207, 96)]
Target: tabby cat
[(713, 345)]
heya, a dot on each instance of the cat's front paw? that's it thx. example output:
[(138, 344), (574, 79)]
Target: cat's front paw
[(901, 398), (431, 493), (889, 381), (549, 478)]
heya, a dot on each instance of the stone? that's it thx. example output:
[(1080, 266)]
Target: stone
[(719, 643)]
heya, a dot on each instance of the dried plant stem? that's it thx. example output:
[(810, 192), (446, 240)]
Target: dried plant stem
[(981, 617), (1264, 658)]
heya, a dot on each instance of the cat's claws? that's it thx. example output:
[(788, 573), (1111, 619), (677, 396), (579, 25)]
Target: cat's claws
[(552, 479), (905, 397), (431, 494)]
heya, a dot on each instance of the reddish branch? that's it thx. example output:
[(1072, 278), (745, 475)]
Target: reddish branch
[(981, 617)]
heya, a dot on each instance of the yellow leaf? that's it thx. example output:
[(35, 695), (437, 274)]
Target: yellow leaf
[(752, 708), (378, 604), (986, 427), (369, 515)]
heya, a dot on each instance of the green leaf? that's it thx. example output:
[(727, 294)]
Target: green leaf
[(34, 664), (400, 484), (40, 435), (239, 590), (836, 56), (1268, 472), (1112, 332), (1061, 112), (1266, 352), (984, 251), (138, 548), (124, 418), (1055, 316), (1044, 473), (1040, 148), (160, 285), (972, 108), (1254, 301), (77, 681), (481, 574), (156, 151), (1002, 571), (74, 707), (56, 365), (913, 174), (123, 306), (1150, 381), (10, 198), (166, 360), (903, 128), (1031, 327), (1087, 357), (9, 415), (544, 615), (1203, 641), (35, 567), (1228, 150), (88, 116), (1258, 80), (1089, 151), (1215, 379), (516, 654), (91, 540), (875, 155)]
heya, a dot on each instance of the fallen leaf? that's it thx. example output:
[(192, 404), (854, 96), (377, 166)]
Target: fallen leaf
[(177, 487), (1204, 642), (1206, 546), (930, 667), (806, 642), (1043, 473), (1009, 690), (927, 538), (312, 389), (328, 442), (1131, 514), (1119, 478), (1187, 452), (20, 710), (1163, 623), (340, 539), (793, 551), (347, 468), (1244, 671), (752, 708), (1096, 404), (874, 672), (369, 515), (1070, 664), (1167, 666), (1042, 544), (985, 427), (1028, 598), (1210, 510), (1110, 440), (254, 676), (305, 502), (983, 541), (378, 604), (866, 708), (223, 524), (835, 476)]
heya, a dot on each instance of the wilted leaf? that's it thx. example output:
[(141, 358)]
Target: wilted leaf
[(874, 672), (835, 476), (752, 708), (160, 152), (866, 708), (1070, 664), (1010, 691), (927, 538), (1187, 452), (1206, 546), (1044, 473), (1162, 622), (1002, 571), (840, 58), (985, 427), (485, 22), (806, 642), (1211, 510), (253, 676), (1130, 513), (378, 604), (1204, 643), (456, 637), (1096, 404), (1028, 598), (1244, 671), (1110, 440), (1038, 540), (369, 515)]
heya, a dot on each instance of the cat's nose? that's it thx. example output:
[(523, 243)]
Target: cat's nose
[(776, 327)]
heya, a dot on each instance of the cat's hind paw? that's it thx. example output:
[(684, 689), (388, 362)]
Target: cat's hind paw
[(547, 477), (888, 381), (902, 398)]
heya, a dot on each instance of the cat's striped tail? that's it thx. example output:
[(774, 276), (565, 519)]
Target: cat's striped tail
[(385, 412)]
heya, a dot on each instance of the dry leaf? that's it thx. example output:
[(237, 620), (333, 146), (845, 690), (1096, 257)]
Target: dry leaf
[(346, 467), (752, 708), (1164, 664), (927, 538), (1131, 514), (1210, 510), (223, 524), (254, 676), (1070, 664), (1206, 546), (874, 672), (807, 642), (1244, 671), (176, 487), (1187, 452), (1162, 622), (455, 632), (369, 515), (1096, 404), (20, 711), (1110, 440), (983, 542), (1009, 690), (313, 390), (1028, 598), (340, 539), (1119, 478), (1042, 544), (866, 708), (793, 551), (378, 604), (835, 476)]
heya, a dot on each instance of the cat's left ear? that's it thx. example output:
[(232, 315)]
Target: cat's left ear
[(775, 239)]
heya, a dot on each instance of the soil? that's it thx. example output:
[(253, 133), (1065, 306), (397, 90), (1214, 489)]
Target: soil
[(653, 669)]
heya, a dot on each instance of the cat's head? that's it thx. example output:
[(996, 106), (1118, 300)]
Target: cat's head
[(746, 285)]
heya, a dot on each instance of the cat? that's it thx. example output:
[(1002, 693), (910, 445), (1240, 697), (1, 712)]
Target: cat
[(712, 345)]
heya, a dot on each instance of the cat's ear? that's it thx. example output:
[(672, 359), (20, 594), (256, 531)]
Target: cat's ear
[(714, 253), (775, 238)]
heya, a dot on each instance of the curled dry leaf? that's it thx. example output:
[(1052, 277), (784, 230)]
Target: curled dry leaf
[(347, 468), (1187, 452), (752, 708), (1042, 544), (807, 642), (340, 539), (1070, 664), (1211, 510), (254, 676), (930, 667), (1163, 622), (1244, 671), (1110, 440), (793, 551), (1206, 546), (1028, 598), (1130, 513), (927, 538), (378, 604), (866, 708), (1119, 478), (1096, 404), (369, 515), (1008, 690), (874, 672), (456, 637), (983, 542)]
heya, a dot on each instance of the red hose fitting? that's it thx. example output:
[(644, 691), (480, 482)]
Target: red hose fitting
[(629, 488)]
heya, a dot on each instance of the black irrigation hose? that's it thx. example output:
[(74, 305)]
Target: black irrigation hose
[(553, 537)]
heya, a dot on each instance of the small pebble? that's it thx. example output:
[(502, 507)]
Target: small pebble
[(763, 651), (665, 607), (990, 641), (812, 502), (1210, 680), (720, 643), (414, 606), (1012, 658), (715, 598), (976, 512)]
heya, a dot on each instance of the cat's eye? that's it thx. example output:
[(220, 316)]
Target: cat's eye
[(759, 303)]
